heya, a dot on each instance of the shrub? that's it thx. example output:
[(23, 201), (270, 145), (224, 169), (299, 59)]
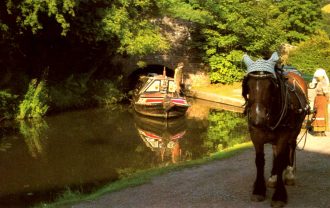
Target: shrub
[(80, 91), (106, 92), (69, 93), (35, 101), (224, 68), (8, 105)]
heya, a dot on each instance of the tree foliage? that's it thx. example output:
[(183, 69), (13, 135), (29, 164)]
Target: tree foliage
[(312, 54), (28, 12), (299, 18), (255, 27)]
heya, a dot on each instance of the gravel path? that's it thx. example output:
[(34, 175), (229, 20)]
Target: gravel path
[(228, 183)]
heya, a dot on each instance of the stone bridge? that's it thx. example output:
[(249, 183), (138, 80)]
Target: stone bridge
[(194, 71), (179, 35)]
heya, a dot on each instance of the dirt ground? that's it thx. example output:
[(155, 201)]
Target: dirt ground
[(228, 183)]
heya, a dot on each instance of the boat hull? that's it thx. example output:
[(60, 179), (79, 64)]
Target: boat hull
[(158, 110)]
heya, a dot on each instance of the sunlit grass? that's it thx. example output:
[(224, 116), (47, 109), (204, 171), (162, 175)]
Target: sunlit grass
[(141, 177)]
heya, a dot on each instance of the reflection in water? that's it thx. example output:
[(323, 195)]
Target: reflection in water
[(33, 133), (7, 130), (225, 129), (4, 145), (83, 150), (162, 136)]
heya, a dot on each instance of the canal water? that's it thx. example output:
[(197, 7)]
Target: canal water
[(81, 151)]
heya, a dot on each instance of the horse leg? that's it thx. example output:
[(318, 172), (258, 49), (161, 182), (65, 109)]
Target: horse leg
[(259, 188), (280, 196), (273, 177), (289, 177)]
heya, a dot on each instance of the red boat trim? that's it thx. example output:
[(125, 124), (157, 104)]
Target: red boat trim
[(179, 135), (153, 100), (152, 136), (179, 101)]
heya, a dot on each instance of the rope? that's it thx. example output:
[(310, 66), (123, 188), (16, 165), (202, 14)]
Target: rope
[(305, 133)]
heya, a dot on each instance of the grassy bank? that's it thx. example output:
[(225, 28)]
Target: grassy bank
[(141, 177)]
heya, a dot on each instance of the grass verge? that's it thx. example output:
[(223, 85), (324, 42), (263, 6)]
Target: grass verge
[(141, 177)]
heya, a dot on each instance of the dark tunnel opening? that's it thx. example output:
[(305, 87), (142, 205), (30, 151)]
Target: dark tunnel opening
[(133, 78)]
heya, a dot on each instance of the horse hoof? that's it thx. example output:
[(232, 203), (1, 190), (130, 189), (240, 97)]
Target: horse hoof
[(271, 183), (289, 178), (257, 198), (278, 204)]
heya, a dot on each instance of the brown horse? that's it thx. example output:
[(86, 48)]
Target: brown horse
[(276, 105)]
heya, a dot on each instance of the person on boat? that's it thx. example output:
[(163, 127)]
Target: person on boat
[(321, 84), (178, 76)]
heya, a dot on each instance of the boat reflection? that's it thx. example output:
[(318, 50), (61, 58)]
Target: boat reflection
[(162, 136)]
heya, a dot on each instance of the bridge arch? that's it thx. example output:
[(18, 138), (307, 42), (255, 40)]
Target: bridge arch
[(133, 77)]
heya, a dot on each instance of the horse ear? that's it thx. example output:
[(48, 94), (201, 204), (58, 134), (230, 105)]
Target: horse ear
[(274, 57), (247, 60)]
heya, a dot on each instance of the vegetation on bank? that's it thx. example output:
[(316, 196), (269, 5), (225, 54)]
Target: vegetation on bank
[(141, 177), (68, 46), (73, 93)]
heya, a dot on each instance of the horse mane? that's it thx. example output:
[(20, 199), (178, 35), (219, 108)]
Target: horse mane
[(245, 89), (245, 92)]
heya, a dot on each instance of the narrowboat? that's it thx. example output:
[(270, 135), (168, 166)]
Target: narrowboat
[(158, 96)]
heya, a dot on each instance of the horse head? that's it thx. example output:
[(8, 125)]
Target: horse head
[(258, 89)]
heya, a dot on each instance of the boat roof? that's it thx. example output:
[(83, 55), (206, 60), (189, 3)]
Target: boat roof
[(159, 76), (147, 80)]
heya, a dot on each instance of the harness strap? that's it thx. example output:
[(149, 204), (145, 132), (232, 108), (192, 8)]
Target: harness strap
[(285, 97), (284, 108)]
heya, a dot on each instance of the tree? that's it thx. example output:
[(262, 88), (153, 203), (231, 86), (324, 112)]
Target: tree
[(300, 19), (27, 13), (238, 27), (312, 54), (256, 27)]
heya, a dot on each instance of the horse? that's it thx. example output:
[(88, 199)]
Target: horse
[(276, 105)]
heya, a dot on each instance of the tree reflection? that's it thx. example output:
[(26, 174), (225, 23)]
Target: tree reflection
[(225, 130), (7, 132), (33, 133), (4, 145)]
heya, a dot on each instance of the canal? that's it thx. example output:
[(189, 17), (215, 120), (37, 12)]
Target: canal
[(84, 150)]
